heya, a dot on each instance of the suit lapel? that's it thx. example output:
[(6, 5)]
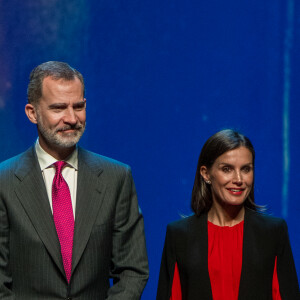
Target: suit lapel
[(31, 192), (90, 195)]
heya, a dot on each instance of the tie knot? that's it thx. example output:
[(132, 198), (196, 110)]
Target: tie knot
[(59, 165)]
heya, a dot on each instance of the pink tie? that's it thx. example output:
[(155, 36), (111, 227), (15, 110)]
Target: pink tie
[(63, 216)]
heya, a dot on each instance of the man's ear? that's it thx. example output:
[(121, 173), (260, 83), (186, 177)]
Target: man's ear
[(30, 111), (204, 173)]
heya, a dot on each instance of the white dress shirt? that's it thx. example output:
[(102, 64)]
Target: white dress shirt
[(69, 172)]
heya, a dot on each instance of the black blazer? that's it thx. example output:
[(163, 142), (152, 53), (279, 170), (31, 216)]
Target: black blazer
[(108, 238), (265, 237)]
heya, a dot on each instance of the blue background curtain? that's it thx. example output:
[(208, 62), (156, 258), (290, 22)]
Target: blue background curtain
[(161, 77)]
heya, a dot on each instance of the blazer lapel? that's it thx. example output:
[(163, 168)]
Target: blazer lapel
[(198, 253), (246, 279), (90, 195), (203, 244), (31, 192)]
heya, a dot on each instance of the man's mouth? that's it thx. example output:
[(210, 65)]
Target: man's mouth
[(70, 129)]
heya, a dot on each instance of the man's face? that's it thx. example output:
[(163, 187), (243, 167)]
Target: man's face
[(60, 114)]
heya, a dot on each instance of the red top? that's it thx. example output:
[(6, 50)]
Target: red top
[(225, 249)]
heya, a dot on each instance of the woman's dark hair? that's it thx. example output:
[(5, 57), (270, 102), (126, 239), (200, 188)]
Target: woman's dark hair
[(216, 145)]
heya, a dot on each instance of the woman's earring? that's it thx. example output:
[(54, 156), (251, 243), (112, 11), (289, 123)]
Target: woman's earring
[(208, 181)]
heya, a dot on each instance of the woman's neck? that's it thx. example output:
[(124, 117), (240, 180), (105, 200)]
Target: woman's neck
[(226, 216)]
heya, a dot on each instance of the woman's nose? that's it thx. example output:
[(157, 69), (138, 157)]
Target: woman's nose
[(237, 179)]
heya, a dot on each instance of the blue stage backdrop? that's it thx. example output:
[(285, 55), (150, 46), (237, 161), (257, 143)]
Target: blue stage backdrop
[(161, 77)]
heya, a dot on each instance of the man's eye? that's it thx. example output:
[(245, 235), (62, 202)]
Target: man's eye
[(79, 107), (57, 108)]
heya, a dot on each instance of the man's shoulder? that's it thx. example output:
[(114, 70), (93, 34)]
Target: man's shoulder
[(95, 160), (15, 161)]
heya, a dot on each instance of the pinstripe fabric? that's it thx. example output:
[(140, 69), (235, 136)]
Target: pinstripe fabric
[(108, 235)]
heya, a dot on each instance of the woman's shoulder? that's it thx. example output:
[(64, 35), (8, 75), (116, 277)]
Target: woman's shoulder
[(183, 232), (264, 220), (188, 223)]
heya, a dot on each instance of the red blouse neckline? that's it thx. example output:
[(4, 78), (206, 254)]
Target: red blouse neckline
[(226, 227)]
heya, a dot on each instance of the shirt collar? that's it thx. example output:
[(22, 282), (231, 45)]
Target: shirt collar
[(46, 160)]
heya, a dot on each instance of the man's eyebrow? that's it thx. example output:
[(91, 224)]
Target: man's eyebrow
[(63, 105), (57, 105), (79, 104)]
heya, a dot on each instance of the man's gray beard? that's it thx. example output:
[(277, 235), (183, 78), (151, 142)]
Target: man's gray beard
[(65, 140)]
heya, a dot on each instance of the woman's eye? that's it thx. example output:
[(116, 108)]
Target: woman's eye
[(247, 169), (226, 169)]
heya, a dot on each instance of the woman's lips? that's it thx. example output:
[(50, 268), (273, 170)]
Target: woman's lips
[(235, 191)]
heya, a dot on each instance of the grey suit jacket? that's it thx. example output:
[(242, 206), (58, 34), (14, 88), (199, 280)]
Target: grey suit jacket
[(108, 237)]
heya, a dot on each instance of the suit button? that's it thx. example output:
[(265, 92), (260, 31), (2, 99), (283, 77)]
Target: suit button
[(69, 298)]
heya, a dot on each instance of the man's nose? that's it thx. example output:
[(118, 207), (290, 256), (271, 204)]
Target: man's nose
[(70, 116)]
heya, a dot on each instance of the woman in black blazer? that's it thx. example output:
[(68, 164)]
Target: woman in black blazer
[(227, 250)]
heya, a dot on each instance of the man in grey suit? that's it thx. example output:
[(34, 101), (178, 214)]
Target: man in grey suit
[(65, 233)]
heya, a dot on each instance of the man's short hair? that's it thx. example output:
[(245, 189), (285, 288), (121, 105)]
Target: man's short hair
[(56, 70)]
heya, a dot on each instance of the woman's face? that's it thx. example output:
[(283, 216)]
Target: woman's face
[(231, 177)]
